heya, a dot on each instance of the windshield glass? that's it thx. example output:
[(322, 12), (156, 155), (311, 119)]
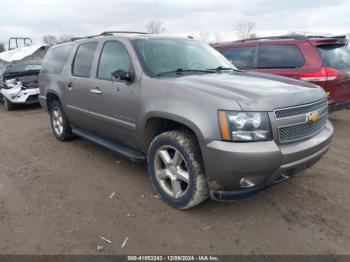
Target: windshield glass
[(159, 56), (22, 68), (335, 56)]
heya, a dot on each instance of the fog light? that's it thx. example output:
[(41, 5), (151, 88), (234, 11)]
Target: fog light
[(245, 183)]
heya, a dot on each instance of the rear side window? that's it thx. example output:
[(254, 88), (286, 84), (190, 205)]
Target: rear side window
[(280, 56), (335, 56), (83, 59), (55, 59), (241, 57), (113, 57)]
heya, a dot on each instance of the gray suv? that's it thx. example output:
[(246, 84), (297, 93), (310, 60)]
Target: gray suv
[(204, 127)]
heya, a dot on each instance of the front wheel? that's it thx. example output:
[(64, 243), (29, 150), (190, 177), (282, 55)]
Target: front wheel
[(8, 105), (59, 123), (176, 169)]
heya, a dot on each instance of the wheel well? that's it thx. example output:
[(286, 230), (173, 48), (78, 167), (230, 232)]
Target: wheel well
[(50, 98), (155, 126)]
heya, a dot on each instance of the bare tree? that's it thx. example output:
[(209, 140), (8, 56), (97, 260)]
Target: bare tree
[(2, 47), (253, 35), (50, 40), (244, 30), (155, 27), (204, 36), (218, 38), (64, 38)]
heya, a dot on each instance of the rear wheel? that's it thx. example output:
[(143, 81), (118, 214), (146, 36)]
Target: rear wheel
[(8, 105), (176, 169), (59, 123)]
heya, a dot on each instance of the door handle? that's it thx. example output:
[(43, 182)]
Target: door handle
[(96, 91), (69, 86)]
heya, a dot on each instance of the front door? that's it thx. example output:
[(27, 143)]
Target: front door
[(113, 102)]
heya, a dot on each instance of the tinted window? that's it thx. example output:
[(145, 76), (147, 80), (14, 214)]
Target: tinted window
[(83, 59), (241, 57), (159, 56), (55, 59), (335, 56), (113, 57), (280, 56)]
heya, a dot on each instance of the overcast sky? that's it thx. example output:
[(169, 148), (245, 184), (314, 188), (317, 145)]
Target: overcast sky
[(36, 18)]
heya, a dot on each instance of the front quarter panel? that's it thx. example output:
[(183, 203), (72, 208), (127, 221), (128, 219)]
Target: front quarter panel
[(194, 108)]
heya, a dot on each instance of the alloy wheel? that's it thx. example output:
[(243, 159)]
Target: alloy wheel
[(57, 121), (171, 171)]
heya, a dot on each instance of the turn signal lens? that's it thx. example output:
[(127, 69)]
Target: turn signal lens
[(224, 127)]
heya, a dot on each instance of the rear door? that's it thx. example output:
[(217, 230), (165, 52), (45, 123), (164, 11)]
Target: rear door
[(114, 102), (77, 90), (337, 57), (280, 59)]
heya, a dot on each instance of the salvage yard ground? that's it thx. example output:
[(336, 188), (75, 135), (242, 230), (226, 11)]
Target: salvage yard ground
[(57, 198)]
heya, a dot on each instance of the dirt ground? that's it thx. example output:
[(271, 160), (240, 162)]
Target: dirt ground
[(54, 199)]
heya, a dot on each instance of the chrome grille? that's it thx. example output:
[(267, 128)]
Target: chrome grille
[(300, 110), (301, 131)]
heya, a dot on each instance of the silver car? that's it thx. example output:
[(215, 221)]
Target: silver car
[(204, 127)]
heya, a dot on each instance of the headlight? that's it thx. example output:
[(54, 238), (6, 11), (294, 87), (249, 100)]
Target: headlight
[(245, 126)]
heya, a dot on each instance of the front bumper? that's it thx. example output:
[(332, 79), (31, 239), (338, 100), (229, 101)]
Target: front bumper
[(18, 96), (262, 164)]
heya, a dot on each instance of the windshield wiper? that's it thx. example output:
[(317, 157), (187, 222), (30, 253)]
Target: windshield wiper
[(221, 68), (180, 71)]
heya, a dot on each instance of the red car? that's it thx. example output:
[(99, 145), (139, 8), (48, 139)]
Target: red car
[(324, 61)]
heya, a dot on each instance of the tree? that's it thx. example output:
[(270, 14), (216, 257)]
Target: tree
[(50, 40), (253, 35), (244, 30), (64, 38), (2, 47), (218, 38), (155, 27), (204, 36)]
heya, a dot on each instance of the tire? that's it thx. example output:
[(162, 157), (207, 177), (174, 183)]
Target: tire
[(181, 182), (8, 105), (59, 123)]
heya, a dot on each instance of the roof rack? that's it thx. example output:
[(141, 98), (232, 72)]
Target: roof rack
[(108, 33), (123, 32), (293, 36), (275, 37), (331, 37)]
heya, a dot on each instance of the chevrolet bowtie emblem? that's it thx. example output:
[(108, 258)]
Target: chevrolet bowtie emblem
[(313, 117)]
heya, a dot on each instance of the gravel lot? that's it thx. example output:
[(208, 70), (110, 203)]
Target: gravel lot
[(54, 199)]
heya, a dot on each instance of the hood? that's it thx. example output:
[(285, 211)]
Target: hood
[(19, 53), (253, 91)]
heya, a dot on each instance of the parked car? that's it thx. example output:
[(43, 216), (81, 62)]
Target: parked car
[(204, 127), (19, 84), (324, 61)]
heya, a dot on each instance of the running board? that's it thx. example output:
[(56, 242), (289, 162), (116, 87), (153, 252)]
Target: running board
[(130, 153)]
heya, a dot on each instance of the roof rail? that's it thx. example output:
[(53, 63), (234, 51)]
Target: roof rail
[(107, 33), (331, 36), (123, 32), (293, 36), (275, 37)]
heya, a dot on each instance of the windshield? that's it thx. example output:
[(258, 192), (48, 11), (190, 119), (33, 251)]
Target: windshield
[(22, 68), (161, 56), (335, 56)]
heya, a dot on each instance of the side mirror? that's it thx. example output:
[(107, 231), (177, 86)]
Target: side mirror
[(121, 75)]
